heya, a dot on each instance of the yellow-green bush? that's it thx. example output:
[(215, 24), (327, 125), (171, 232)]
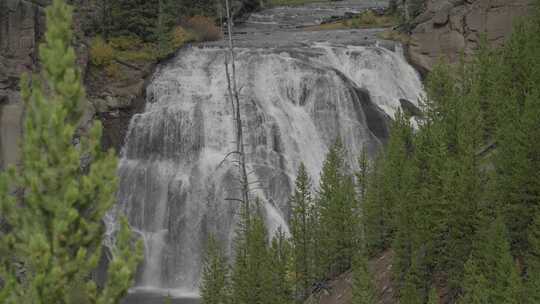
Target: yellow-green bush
[(146, 52), (113, 70), (124, 43), (101, 53), (366, 18), (180, 36)]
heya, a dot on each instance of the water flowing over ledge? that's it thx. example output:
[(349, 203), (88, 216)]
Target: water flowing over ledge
[(295, 103)]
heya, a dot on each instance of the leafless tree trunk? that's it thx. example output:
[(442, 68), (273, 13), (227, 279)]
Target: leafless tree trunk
[(235, 105)]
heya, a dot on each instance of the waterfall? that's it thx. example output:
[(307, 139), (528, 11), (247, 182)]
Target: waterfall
[(295, 102)]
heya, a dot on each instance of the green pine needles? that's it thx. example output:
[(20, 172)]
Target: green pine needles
[(338, 220), (53, 205), (215, 287), (457, 199)]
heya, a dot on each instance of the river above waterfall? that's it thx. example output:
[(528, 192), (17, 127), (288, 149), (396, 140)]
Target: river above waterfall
[(299, 91)]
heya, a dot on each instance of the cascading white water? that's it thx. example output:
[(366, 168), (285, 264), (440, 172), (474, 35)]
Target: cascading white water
[(295, 103)]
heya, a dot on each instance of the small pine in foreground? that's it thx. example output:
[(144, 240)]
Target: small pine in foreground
[(57, 209)]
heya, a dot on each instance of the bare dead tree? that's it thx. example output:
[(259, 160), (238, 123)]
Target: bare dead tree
[(235, 106)]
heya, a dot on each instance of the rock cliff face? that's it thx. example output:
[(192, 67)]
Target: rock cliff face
[(22, 25), (448, 27)]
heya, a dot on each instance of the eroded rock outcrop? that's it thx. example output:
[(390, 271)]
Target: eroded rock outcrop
[(21, 27), (448, 27)]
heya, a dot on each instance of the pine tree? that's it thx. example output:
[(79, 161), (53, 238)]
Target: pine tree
[(215, 275), (475, 285), (433, 297), (516, 162), (57, 207), (399, 196), (302, 233), (411, 292), (251, 274), (387, 186), (492, 261), (363, 174), (338, 220), (363, 288), (532, 280), (135, 17), (281, 287), (462, 179)]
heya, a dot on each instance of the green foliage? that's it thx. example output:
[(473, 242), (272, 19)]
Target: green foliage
[(433, 297), (151, 21), (475, 285), (215, 276), (389, 186), (338, 213), (101, 53), (251, 280), (280, 257), (58, 207), (532, 280), (492, 275), (363, 174), (517, 180), (261, 271), (363, 288), (139, 18), (302, 239)]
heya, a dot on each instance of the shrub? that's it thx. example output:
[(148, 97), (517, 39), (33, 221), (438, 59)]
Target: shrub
[(179, 37), (113, 70), (146, 52), (204, 28), (124, 43), (101, 53), (367, 18)]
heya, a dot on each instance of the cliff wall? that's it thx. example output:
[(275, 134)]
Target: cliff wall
[(448, 27)]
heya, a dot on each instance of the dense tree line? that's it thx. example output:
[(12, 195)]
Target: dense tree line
[(455, 195), (151, 19), (457, 198)]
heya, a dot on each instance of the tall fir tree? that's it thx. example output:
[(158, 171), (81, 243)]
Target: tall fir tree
[(363, 287), (516, 163), (387, 186), (302, 233), (135, 17), (433, 297), (338, 217), (215, 287), (280, 264), (251, 274), (362, 176), (475, 285), (57, 205), (492, 260), (532, 278)]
